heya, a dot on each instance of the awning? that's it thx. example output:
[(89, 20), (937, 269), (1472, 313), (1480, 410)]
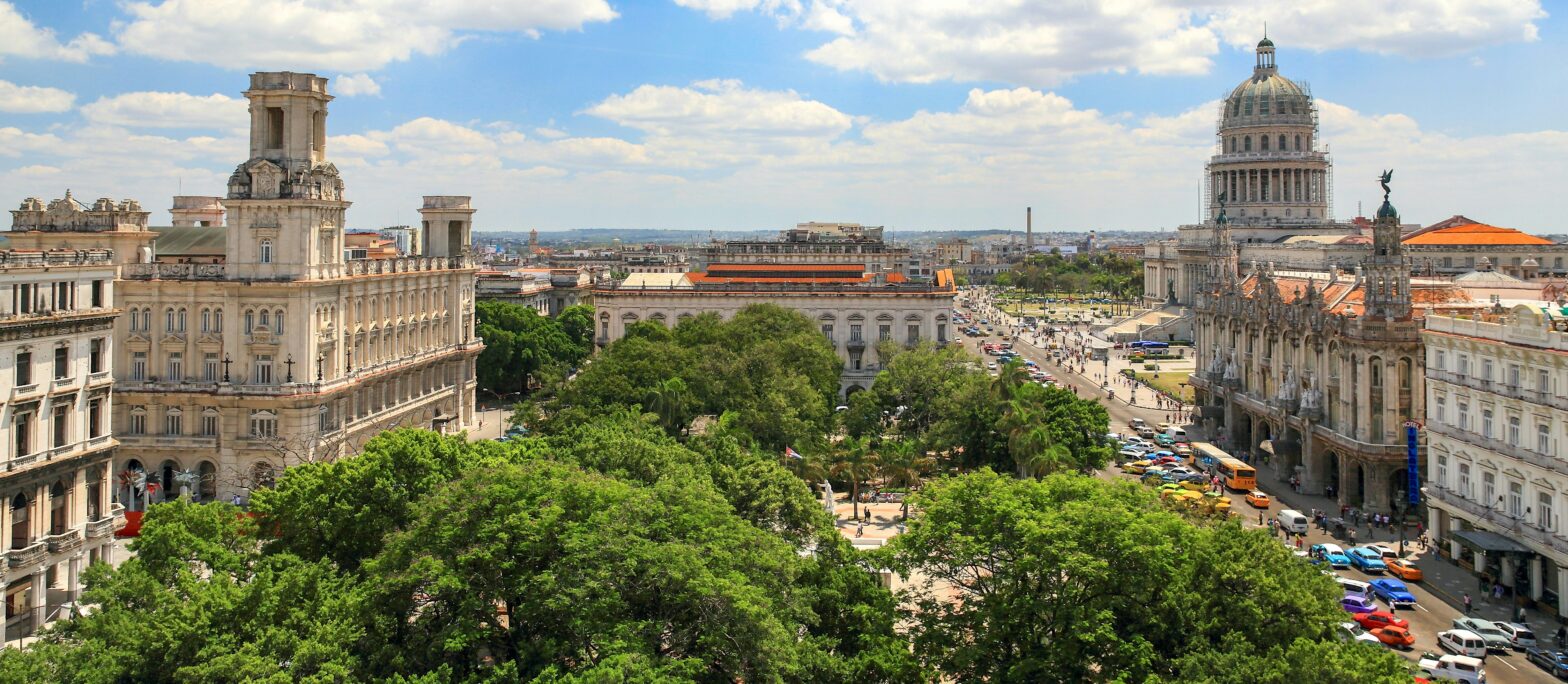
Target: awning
[(1490, 542)]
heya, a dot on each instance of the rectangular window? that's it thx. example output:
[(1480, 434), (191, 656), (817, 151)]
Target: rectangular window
[(1464, 480), (1440, 409), (854, 332), (139, 365), (1543, 381), (827, 331), (95, 355), (1486, 370), (1440, 360), (1513, 376), (1516, 499), (24, 369), (263, 424), (138, 421), (1463, 421), (884, 333), (176, 367), (61, 422), (209, 367), (1543, 438), (1464, 364), (62, 363), (95, 418), (22, 428), (274, 128), (1513, 430), (941, 332), (263, 374), (1486, 423), (209, 424), (1545, 516), (174, 422), (914, 334), (1442, 470), (1488, 489), (97, 294)]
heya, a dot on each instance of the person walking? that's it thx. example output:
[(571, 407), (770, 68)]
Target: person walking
[(1467, 612)]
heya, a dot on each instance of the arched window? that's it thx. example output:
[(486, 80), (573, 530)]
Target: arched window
[(19, 522), (1281, 143), (266, 320), (250, 321), (168, 320), (1246, 144), (1264, 142), (206, 320), (266, 251), (146, 319), (217, 320), (180, 320), (277, 321), (57, 508)]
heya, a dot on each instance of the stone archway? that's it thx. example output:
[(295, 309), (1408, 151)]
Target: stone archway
[(1287, 455), (1332, 476)]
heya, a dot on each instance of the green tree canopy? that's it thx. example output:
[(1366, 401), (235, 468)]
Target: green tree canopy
[(519, 342)]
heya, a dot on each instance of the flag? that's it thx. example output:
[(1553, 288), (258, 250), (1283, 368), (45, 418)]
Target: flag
[(791, 453)]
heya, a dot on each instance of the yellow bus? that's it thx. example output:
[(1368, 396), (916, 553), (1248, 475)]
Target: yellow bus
[(1237, 476), (1206, 457)]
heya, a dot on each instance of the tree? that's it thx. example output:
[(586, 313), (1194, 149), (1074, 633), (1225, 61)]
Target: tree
[(1074, 579), (863, 417), (903, 464), (668, 401), (854, 462), (519, 343)]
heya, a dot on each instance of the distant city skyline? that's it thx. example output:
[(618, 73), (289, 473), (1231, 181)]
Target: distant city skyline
[(757, 114)]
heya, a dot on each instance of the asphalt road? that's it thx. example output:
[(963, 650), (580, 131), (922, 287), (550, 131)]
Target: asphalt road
[(1431, 615)]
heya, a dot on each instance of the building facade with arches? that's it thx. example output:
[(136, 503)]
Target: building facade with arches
[(1497, 423), (57, 315), (853, 308), (284, 351), (1318, 370)]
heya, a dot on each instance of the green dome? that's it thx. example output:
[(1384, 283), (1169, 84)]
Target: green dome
[(1265, 43), (1387, 211)]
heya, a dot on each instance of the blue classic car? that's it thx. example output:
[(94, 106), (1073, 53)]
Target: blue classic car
[(1367, 560), (1393, 592), (1331, 554), (1555, 663)]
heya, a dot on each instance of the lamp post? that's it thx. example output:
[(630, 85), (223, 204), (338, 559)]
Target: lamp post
[(226, 362)]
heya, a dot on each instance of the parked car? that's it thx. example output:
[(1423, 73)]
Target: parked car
[(1132, 454), (1393, 592), (1357, 604), (1367, 560), (1496, 639), (1403, 569), (1453, 668), (1331, 554), (1381, 618), (1555, 663), (1521, 635)]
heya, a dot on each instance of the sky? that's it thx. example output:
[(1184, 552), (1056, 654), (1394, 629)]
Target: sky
[(757, 114)]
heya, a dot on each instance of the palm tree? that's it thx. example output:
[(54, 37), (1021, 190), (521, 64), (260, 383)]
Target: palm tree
[(1035, 452), (1009, 378), (904, 465), (856, 462), (668, 401)]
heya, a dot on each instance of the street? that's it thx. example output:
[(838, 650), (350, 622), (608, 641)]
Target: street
[(1433, 614)]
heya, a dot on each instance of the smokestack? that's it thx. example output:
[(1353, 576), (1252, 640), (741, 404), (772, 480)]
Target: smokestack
[(1029, 229)]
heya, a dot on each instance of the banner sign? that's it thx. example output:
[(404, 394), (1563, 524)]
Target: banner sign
[(1412, 467)]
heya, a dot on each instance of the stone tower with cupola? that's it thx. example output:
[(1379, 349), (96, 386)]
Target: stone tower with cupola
[(285, 204), (1387, 269)]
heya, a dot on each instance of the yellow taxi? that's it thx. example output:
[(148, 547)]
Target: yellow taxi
[(1403, 569), (1136, 467), (1257, 499)]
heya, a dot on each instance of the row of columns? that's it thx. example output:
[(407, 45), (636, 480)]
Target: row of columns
[(1270, 185)]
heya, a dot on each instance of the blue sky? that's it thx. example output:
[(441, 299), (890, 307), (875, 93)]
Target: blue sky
[(916, 114)]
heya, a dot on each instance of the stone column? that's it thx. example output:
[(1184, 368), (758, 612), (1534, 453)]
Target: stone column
[(39, 598), (1509, 563), (1535, 578), (1562, 590), (73, 579), (1376, 497)]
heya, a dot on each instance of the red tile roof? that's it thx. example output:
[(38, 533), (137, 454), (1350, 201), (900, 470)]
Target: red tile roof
[(1475, 234)]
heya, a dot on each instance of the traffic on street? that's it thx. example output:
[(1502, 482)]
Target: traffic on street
[(1399, 594)]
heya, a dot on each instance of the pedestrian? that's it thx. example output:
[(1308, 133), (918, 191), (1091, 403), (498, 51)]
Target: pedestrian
[(1298, 542), (1260, 517), (1497, 591), (1562, 635), (1467, 612), (860, 529), (1519, 616)]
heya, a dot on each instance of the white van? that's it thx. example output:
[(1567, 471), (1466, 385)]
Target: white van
[(1292, 521), (1176, 433), (1462, 642), (1354, 587)]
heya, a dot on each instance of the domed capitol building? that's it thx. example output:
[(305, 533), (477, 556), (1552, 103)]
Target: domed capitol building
[(1272, 171)]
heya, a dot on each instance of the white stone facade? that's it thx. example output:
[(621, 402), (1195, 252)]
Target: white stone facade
[(56, 354), (1497, 427)]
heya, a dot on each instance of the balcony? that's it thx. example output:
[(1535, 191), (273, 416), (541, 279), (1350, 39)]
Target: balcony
[(21, 391), (1497, 520), (103, 527), (100, 376), (1500, 447), (172, 271), (28, 555), (64, 542), (25, 460)]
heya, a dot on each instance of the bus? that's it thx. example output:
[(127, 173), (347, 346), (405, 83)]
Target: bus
[(1237, 476), (1234, 474)]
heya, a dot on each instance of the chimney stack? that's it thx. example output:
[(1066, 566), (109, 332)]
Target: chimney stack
[(1028, 229)]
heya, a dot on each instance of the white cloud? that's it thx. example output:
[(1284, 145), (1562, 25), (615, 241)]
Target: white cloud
[(21, 38), (350, 85), (20, 99), (1046, 42), (358, 35), (550, 133), (718, 153), (150, 109)]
